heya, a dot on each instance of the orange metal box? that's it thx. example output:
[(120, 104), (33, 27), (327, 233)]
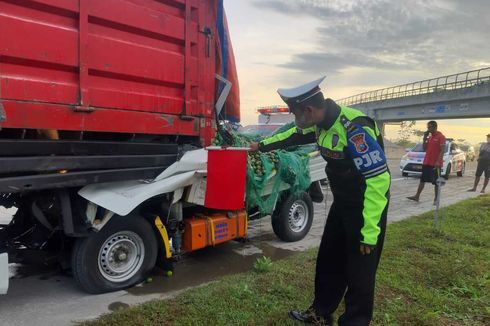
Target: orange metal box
[(195, 234), (210, 230)]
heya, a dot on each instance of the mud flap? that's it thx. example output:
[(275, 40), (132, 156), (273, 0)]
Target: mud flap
[(4, 273), (316, 193)]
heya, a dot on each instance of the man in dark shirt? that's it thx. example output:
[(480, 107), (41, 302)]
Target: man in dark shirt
[(483, 166), (434, 144)]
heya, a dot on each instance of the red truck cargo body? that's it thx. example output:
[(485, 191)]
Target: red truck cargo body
[(129, 66)]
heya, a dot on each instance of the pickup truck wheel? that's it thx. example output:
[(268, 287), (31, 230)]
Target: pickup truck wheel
[(115, 258), (405, 174), (292, 219)]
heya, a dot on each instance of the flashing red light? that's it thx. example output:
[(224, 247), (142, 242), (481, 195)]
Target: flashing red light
[(273, 109)]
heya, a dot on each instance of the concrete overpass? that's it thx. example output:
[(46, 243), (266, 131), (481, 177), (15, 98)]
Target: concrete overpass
[(463, 95)]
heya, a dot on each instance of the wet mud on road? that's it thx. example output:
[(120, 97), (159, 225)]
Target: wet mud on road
[(208, 265)]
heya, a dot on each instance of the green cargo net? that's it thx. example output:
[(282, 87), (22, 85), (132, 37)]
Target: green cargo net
[(279, 168)]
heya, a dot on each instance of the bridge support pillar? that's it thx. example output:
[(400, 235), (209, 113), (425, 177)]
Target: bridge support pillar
[(381, 127)]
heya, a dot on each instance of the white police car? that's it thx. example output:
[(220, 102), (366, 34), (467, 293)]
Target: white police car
[(454, 160), (262, 130), (271, 118)]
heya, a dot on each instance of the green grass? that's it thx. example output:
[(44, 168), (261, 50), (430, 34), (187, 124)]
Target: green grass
[(425, 278), (263, 264)]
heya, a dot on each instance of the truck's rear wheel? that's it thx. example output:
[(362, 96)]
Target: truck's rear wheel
[(292, 219), (117, 257)]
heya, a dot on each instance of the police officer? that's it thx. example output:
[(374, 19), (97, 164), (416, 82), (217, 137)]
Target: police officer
[(352, 241)]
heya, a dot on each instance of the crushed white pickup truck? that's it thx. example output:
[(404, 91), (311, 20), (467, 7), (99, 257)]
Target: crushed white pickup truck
[(135, 225), (175, 202)]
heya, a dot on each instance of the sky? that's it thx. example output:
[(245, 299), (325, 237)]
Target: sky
[(359, 45)]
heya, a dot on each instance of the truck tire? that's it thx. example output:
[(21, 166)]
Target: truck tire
[(404, 174), (115, 258), (292, 219)]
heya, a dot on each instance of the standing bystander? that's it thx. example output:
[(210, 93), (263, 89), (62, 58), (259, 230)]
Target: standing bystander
[(483, 166), (434, 144)]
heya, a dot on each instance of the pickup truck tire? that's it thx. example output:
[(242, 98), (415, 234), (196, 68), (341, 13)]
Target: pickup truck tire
[(292, 219), (115, 258)]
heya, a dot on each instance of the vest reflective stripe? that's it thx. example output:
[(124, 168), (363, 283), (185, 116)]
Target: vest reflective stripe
[(375, 202), (286, 134)]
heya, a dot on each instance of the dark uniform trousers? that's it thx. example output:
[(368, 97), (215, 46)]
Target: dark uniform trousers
[(341, 267)]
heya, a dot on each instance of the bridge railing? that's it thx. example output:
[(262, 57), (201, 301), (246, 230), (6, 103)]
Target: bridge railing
[(450, 82)]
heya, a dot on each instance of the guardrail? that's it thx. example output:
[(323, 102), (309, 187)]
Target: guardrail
[(450, 82)]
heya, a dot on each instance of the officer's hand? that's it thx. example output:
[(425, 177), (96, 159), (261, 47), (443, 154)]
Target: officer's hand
[(254, 147), (366, 249)]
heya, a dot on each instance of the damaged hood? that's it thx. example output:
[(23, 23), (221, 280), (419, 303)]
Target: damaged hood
[(124, 196)]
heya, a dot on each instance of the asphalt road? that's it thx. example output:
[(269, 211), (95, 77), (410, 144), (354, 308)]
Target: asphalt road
[(45, 297)]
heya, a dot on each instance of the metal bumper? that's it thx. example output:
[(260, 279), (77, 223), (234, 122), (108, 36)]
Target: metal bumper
[(412, 168), (4, 273)]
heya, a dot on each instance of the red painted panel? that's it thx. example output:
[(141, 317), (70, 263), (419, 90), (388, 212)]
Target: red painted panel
[(37, 11), (142, 19), (175, 8), (37, 70), (104, 29), (38, 90), (70, 5), (125, 95), (40, 42), (50, 116), (83, 52), (193, 76), (226, 179), (131, 60), (113, 56)]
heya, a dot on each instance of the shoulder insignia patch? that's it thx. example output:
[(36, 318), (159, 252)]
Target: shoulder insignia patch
[(359, 141)]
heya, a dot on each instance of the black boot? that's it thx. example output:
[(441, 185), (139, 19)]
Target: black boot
[(310, 317)]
